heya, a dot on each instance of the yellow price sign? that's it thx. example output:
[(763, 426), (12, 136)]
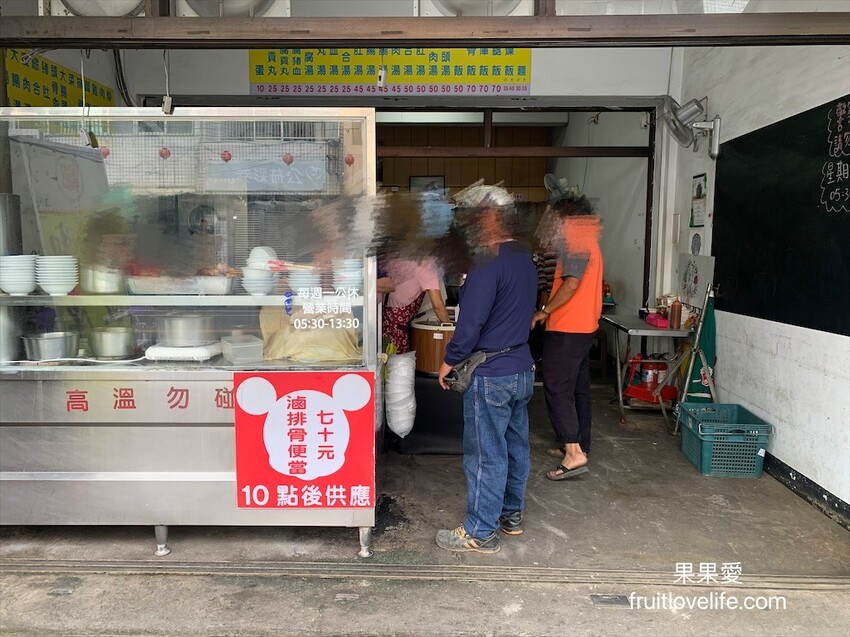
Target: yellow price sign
[(43, 82), (434, 72)]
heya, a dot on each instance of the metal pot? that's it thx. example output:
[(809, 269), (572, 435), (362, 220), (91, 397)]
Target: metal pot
[(111, 342), (186, 330), (95, 279), (42, 347)]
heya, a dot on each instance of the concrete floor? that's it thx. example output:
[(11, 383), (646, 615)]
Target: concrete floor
[(620, 529)]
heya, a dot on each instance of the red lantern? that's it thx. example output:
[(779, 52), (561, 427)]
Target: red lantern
[(164, 153), (104, 152), (226, 156), (288, 159), (349, 159)]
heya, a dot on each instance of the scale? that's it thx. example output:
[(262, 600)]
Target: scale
[(197, 353)]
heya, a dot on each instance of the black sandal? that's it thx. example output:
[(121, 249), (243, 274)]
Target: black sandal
[(566, 473)]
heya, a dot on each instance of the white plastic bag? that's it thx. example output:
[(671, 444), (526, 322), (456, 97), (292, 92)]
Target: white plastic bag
[(400, 399)]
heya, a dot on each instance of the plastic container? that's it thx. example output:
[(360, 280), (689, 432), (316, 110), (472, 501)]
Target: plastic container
[(723, 439), (242, 349)]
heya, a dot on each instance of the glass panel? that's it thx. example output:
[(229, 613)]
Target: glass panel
[(665, 7), (361, 8), (158, 239)]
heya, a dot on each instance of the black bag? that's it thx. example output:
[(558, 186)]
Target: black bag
[(460, 377)]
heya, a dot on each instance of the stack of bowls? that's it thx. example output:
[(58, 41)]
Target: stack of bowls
[(257, 278), (57, 275), (257, 282), (348, 273), (17, 274), (303, 278)]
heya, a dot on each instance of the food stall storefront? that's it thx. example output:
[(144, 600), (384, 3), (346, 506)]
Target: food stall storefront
[(188, 318)]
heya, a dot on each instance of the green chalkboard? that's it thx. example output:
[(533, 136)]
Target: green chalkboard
[(781, 236)]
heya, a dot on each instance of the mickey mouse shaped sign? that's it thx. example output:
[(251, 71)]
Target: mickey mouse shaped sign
[(305, 439)]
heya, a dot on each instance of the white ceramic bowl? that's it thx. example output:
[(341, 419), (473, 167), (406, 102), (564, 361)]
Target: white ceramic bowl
[(257, 288), (6, 272), (348, 264), (16, 272), (18, 288), (17, 265), (255, 274), (43, 282), (262, 253), (57, 289)]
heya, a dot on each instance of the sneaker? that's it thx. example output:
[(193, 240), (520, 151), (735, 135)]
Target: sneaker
[(511, 524), (460, 541)]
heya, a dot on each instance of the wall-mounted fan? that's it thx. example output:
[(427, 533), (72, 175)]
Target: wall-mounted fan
[(107, 8), (683, 121), (559, 187), (476, 7)]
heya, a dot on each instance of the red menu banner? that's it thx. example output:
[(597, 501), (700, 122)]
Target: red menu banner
[(305, 439)]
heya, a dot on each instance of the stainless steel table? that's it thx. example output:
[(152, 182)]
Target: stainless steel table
[(634, 326)]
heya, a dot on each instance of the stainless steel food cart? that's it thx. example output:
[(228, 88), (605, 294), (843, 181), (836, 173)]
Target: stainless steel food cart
[(200, 187)]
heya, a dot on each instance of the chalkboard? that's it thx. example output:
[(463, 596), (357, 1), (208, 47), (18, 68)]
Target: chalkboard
[(782, 221)]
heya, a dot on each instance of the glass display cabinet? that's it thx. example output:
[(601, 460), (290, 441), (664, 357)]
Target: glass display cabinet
[(158, 274)]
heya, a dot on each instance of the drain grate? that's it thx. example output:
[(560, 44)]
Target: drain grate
[(616, 601)]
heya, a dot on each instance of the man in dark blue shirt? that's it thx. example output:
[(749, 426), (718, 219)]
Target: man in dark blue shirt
[(497, 302)]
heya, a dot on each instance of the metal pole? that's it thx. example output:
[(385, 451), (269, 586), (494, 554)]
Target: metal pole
[(695, 351), (5, 149)]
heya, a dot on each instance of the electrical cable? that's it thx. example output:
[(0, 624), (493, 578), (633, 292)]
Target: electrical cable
[(590, 120), (121, 80), (167, 103), (165, 62)]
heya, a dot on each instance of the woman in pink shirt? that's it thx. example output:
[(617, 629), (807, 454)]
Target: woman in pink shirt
[(412, 280)]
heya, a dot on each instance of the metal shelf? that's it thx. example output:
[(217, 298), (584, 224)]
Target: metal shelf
[(163, 300)]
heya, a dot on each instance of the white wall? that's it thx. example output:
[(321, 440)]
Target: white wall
[(618, 188), (797, 379), (611, 72)]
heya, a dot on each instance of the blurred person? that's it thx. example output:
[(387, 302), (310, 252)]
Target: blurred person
[(497, 302), (571, 316), (411, 281)]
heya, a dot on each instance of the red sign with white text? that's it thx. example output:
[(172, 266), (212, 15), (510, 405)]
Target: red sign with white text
[(305, 439)]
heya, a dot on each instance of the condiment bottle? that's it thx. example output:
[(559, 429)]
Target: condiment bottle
[(676, 314)]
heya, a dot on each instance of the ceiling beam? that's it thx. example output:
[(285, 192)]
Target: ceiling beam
[(553, 31), (512, 151)]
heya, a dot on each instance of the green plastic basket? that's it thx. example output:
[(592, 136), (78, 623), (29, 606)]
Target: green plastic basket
[(723, 440)]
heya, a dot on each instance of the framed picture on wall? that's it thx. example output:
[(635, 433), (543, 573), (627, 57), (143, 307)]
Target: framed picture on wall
[(698, 200), (427, 184)]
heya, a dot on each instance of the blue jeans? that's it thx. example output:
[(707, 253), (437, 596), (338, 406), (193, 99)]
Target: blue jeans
[(495, 448)]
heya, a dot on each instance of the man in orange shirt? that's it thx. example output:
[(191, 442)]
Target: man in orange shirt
[(572, 318)]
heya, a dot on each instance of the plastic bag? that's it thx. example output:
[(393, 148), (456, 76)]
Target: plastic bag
[(400, 398)]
